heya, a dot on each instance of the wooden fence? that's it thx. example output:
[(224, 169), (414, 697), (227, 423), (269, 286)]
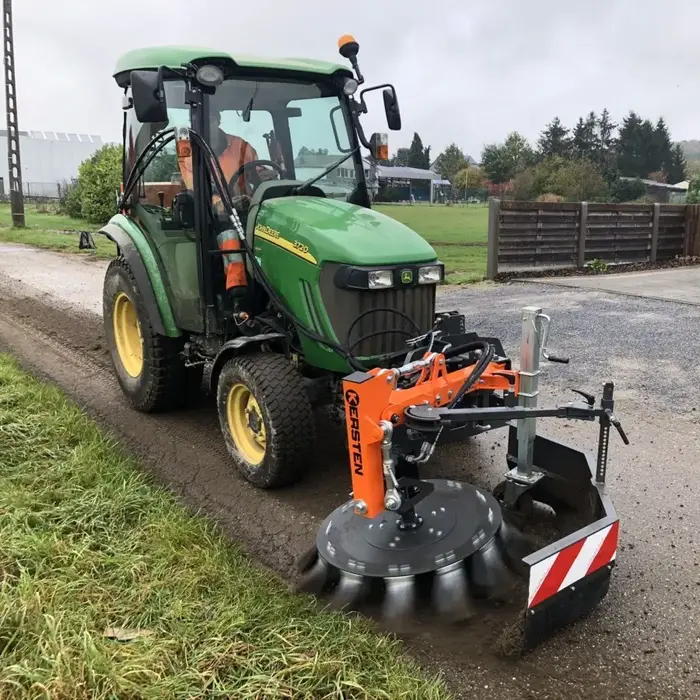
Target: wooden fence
[(526, 235)]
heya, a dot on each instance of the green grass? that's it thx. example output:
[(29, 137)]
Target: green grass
[(463, 264), (52, 231), (88, 543), (46, 220), (442, 224)]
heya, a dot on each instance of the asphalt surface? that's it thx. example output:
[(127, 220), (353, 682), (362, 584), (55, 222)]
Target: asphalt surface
[(642, 641), (678, 284)]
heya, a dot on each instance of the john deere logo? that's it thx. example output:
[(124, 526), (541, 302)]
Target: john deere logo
[(406, 276)]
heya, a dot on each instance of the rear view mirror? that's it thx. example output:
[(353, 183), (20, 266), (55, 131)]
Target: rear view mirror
[(391, 107), (148, 96)]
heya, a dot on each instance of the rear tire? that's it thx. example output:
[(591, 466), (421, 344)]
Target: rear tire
[(266, 419), (150, 368)]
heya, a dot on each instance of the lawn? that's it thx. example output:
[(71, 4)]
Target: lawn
[(45, 229), (111, 589), (438, 223), (444, 227)]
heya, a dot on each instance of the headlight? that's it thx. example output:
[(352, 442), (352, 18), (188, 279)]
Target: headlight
[(350, 86), (430, 274), (210, 75), (380, 279)]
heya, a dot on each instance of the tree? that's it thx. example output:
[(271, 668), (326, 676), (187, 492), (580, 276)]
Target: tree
[(554, 140), (469, 177), (163, 166), (450, 162), (649, 158), (693, 196), (677, 168), (501, 162), (401, 158), (584, 137), (630, 153), (418, 156), (661, 154), (579, 181)]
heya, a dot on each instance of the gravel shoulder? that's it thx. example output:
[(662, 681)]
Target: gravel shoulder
[(641, 642)]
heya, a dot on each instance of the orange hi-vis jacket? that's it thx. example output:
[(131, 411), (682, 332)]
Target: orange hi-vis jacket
[(238, 152)]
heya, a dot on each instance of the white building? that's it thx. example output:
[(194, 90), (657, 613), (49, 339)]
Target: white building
[(48, 159)]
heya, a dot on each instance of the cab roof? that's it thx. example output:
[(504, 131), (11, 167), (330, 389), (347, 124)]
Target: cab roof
[(175, 56)]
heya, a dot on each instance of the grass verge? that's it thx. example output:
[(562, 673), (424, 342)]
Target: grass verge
[(110, 589), (66, 242)]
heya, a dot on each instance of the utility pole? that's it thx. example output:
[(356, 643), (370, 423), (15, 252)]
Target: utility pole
[(13, 160)]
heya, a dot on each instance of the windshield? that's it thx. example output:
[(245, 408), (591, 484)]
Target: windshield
[(300, 126)]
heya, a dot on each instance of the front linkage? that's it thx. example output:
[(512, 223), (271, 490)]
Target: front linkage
[(468, 543)]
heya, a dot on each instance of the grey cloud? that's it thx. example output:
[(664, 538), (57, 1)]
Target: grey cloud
[(465, 72)]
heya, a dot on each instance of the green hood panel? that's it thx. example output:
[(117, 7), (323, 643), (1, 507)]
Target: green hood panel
[(335, 231)]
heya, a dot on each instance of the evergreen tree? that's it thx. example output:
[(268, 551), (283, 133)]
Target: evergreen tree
[(677, 168), (630, 153), (554, 140), (418, 156), (661, 155), (606, 134), (584, 137), (650, 160)]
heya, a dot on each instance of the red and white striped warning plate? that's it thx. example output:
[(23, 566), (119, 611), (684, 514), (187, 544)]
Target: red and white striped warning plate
[(553, 574)]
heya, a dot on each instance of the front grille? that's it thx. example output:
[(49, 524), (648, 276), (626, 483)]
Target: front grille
[(345, 305)]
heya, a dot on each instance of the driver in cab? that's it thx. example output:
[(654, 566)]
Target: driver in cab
[(233, 152)]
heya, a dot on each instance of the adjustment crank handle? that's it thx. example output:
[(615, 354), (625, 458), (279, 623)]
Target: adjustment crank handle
[(557, 358), (618, 426)]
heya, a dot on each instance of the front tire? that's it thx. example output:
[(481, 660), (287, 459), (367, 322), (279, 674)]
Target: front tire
[(266, 419), (150, 368)]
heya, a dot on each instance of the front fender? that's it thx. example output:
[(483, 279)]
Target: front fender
[(235, 347), (133, 246)]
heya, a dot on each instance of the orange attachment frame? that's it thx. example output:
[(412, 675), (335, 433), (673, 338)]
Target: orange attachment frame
[(372, 397)]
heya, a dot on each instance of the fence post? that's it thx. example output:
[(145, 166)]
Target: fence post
[(655, 232), (582, 233), (494, 226)]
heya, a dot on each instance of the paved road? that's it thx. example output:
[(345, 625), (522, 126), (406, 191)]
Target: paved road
[(679, 284), (642, 642)]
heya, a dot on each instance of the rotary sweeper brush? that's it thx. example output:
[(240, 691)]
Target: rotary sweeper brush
[(401, 537)]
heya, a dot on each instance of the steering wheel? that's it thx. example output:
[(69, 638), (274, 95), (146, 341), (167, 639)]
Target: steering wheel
[(253, 178)]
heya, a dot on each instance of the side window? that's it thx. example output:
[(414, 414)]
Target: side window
[(173, 240)]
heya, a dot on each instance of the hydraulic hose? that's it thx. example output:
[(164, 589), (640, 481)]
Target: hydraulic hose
[(487, 354)]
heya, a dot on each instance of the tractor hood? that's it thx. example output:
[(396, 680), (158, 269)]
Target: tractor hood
[(334, 231)]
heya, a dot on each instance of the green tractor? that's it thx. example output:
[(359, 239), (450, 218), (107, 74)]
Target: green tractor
[(304, 285)]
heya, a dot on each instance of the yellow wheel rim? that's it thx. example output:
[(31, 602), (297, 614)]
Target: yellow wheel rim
[(127, 335), (245, 422)]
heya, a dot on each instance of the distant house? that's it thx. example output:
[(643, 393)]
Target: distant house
[(662, 191), (403, 181)]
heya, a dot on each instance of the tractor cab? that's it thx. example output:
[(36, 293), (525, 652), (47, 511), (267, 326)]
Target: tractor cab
[(279, 130)]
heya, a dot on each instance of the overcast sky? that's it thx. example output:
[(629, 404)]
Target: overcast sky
[(464, 71)]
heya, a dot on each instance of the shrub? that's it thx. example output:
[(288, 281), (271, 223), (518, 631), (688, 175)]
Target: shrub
[(99, 179), (627, 190), (549, 197)]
